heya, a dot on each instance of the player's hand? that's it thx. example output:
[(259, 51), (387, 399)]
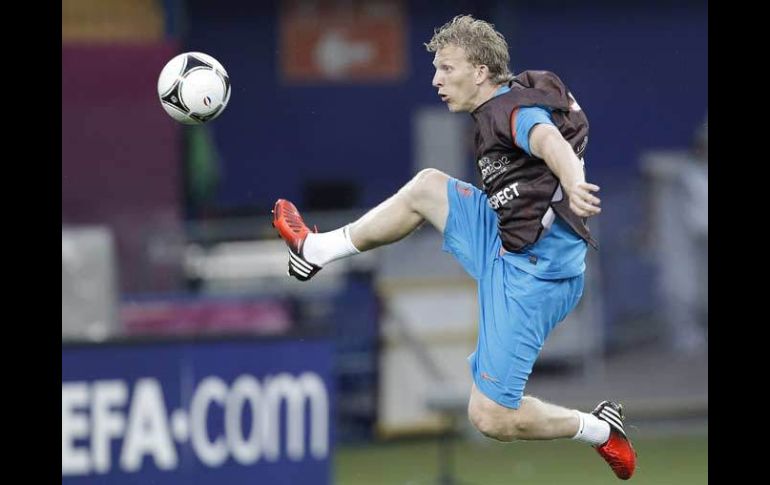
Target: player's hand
[(582, 201)]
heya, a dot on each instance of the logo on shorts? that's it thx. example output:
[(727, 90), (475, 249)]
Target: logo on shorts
[(487, 377), (464, 191)]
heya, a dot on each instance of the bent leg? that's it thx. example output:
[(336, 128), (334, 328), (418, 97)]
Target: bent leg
[(533, 420), (518, 313)]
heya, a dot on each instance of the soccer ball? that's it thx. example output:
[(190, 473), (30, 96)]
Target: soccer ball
[(193, 88)]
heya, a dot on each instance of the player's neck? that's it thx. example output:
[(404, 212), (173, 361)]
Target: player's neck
[(486, 92)]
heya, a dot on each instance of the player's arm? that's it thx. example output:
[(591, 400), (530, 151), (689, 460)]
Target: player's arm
[(546, 142)]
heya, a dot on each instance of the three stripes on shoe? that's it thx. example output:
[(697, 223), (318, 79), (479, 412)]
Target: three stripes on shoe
[(300, 267), (612, 417)]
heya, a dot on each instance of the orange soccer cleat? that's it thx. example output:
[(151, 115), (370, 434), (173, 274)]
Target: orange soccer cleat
[(617, 451), (292, 229)]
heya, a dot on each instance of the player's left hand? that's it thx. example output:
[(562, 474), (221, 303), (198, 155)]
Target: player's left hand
[(582, 201)]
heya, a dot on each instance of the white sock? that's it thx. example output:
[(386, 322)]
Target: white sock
[(592, 429), (325, 247)]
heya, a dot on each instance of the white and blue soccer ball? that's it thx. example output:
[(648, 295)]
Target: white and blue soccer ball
[(194, 88)]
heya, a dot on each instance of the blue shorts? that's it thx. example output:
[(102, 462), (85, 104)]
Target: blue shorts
[(517, 310)]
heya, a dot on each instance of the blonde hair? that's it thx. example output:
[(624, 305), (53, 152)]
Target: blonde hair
[(480, 41)]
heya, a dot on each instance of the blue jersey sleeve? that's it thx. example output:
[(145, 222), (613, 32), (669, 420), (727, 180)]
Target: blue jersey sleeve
[(525, 118)]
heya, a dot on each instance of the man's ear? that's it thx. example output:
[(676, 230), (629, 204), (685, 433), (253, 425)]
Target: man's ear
[(482, 73)]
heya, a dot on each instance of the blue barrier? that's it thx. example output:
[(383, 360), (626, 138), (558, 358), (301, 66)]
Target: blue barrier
[(198, 412)]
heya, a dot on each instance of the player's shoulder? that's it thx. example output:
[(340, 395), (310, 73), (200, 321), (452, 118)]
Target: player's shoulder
[(538, 79)]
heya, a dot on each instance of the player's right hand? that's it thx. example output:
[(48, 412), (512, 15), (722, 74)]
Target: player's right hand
[(582, 201)]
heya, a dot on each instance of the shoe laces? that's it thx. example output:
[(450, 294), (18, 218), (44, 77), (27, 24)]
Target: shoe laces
[(294, 221)]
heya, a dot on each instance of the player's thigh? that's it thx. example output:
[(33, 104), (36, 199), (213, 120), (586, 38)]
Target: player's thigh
[(518, 312)]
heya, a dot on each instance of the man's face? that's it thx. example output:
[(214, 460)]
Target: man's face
[(455, 79)]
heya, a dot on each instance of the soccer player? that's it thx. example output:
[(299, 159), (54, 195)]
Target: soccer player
[(523, 237)]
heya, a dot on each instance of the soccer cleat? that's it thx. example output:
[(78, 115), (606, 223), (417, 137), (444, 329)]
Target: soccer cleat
[(293, 231), (617, 451)]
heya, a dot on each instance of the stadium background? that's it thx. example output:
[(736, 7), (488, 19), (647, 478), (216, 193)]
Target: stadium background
[(169, 261)]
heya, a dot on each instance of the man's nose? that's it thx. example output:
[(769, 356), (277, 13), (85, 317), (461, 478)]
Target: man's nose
[(437, 80)]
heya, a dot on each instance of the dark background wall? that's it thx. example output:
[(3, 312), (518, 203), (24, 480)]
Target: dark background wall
[(639, 70)]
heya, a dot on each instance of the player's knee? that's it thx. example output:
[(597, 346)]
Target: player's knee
[(491, 424), (485, 424), (424, 186)]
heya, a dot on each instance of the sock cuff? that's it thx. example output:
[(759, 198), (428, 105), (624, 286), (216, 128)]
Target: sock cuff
[(581, 424), (346, 233)]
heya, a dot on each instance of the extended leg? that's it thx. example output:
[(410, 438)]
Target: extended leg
[(424, 198)]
